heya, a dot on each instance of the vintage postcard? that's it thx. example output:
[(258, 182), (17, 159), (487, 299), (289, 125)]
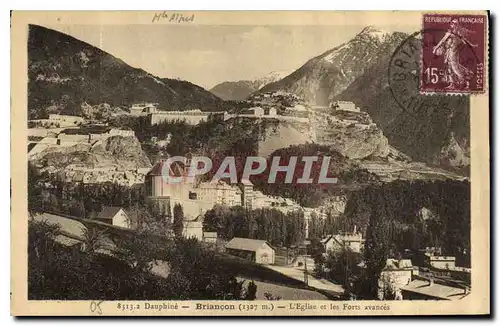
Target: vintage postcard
[(250, 163)]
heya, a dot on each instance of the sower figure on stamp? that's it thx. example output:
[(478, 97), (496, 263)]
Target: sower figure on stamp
[(455, 73)]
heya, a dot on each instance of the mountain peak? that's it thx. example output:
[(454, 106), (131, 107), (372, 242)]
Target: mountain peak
[(240, 90), (373, 32), (278, 74)]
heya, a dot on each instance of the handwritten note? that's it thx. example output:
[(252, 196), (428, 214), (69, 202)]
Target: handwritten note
[(95, 307), (172, 17)]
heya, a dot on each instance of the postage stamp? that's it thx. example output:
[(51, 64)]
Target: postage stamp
[(453, 54), (223, 163)]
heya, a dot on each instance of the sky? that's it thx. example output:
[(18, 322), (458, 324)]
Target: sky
[(208, 55)]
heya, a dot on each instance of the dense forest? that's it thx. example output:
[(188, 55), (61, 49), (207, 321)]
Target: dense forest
[(266, 224), (391, 214), (349, 175)]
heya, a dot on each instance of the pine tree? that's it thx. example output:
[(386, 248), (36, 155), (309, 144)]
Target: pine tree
[(178, 224), (378, 240)]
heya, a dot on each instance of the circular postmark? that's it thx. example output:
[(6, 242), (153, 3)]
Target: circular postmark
[(416, 62)]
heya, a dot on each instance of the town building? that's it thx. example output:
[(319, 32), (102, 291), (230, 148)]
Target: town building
[(353, 241), (115, 216), (90, 134), (193, 228), (65, 120), (440, 262), (192, 117), (344, 106), (217, 192), (257, 111), (395, 275), (247, 193), (139, 109), (429, 289), (195, 197), (210, 237), (259, 251)]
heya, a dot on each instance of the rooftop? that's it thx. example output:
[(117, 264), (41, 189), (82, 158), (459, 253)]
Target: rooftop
[(436, 290), (245, 244), (340, 238), (246, 182), (176, 169), (108, 212), (398, 264), (85, 130)]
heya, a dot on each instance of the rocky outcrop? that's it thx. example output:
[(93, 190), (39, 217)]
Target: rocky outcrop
[(106, 157), (453, 154), (429, 135), (126, 149), (284, 135), (352, 134), (426, 214)]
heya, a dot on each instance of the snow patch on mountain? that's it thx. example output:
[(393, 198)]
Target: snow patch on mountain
[(323, 77), (270, 77), (374, 32), (240, 90)]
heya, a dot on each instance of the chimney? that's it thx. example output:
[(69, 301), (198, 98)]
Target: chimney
[(431, 281)]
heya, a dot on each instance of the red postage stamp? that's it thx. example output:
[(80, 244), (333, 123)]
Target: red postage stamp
[(453, 53)]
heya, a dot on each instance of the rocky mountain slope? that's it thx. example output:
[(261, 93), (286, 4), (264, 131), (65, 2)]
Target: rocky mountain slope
[(354, 135), (105, 160), (357, 71), (328, 74), (240, 90), (438, 135), (65, 72)]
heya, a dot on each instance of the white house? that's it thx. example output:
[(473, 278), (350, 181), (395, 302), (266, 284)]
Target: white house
[(65, 120), (345, 106), (395, 275), (210, 237), (440, 262), (257, 111), (193, 229), (138, 109), (354, 241), (115, 216)]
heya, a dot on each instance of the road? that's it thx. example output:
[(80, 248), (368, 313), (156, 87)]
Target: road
[(298, 274)]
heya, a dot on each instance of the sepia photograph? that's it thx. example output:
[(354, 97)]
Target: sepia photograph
[(298, 167)]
